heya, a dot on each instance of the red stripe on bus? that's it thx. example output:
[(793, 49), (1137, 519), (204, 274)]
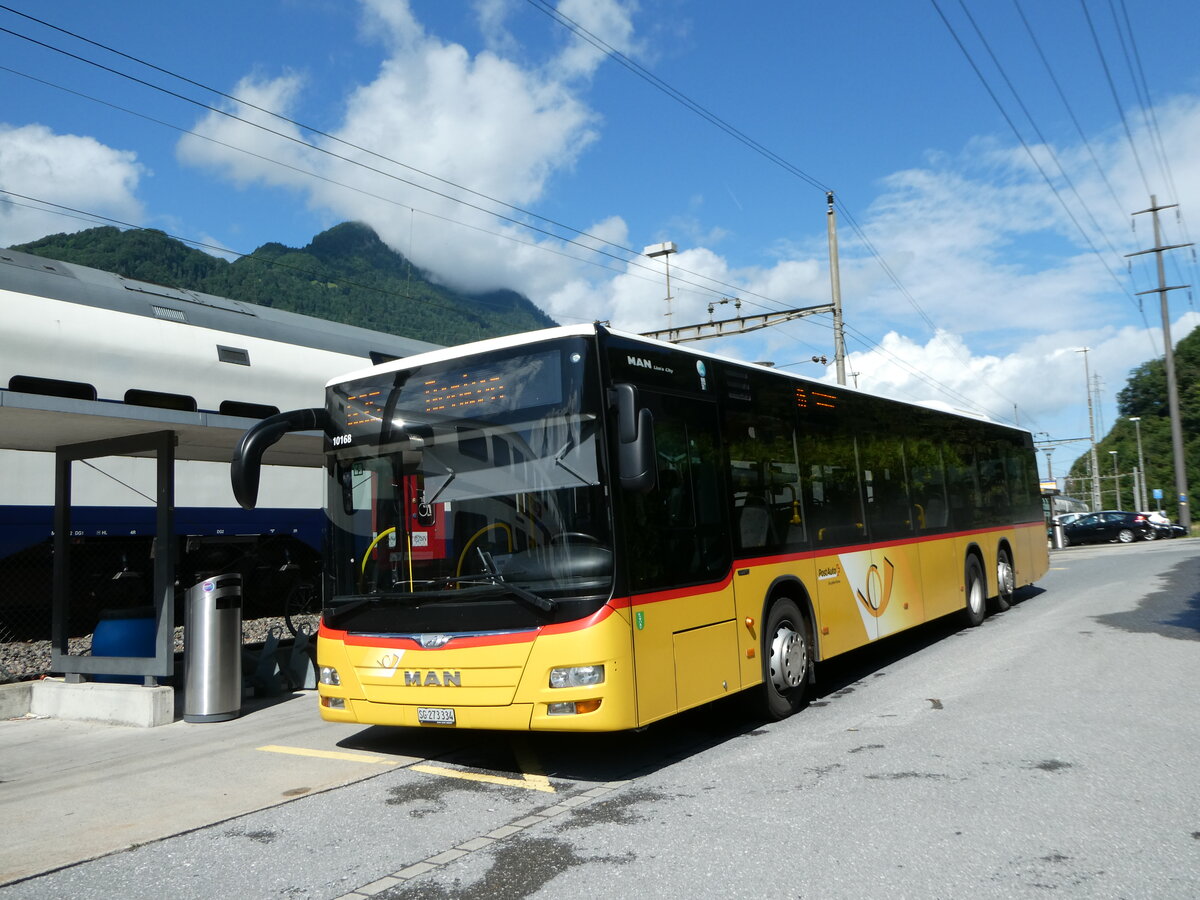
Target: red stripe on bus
[(879, 545)]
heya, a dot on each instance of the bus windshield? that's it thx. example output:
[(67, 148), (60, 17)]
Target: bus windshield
[(468, 495)]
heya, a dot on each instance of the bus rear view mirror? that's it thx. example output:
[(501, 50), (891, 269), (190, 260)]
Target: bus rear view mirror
[(246, 465), (636, 456), (346, 478)]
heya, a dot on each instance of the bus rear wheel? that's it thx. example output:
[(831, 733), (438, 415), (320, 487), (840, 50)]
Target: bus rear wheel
[(786, 660), (1006, 582), (976, 593)]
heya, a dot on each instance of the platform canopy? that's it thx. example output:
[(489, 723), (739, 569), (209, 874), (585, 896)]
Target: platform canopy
[(42, 423)]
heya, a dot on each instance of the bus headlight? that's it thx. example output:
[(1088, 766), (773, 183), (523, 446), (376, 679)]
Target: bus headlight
[(576, 676), (329, 675)]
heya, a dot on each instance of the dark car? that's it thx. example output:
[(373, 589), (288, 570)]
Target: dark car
[(1109, 525), (1165, 529)]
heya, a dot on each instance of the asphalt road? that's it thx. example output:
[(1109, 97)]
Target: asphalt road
[(1054, 751)]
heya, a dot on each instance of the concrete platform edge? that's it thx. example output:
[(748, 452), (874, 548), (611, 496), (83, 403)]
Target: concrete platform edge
[(15, 699), (116, 704)]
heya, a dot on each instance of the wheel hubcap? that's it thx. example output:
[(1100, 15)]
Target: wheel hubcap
[(1005, 578), (789, 658), (976, 597)]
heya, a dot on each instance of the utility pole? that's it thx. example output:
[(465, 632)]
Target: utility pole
[(1095, 466), (835, 283), (1143, 502), (1181, 489)]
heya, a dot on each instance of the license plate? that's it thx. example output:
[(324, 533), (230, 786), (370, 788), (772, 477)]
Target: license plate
[(434, 715)]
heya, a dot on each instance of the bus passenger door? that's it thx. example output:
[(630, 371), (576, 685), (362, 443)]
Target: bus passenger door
[(677, 551)]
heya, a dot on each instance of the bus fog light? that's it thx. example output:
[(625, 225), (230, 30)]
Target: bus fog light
[(576, 676), (572, 707), (333, 702), (329, 675)]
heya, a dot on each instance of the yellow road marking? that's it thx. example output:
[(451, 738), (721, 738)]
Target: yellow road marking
[(537, 783), (530, 767), (532, 781), (331, 754)]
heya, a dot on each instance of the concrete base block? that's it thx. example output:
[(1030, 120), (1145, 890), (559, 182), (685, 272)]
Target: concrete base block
[(116, 704), (15, 699)]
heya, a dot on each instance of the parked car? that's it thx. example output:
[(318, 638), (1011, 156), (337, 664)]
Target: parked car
[(1164, 527), (1068, 518), (1109, 525)]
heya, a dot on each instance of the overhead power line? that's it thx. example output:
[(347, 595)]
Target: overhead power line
[(675, 94), (1033, 158), (700, 110)]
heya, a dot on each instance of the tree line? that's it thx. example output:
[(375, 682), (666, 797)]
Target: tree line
[(346, 274)]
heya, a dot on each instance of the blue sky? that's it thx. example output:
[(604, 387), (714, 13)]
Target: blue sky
[(977, 282)]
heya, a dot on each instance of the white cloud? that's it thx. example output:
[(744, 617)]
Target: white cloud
[(68, 169), (608, 20), (482, 121), (268, 148)]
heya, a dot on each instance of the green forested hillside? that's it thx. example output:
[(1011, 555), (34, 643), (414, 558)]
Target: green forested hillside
[(346, 274), (1145, 395)]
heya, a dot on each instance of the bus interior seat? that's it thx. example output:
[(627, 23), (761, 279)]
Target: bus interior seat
[(754, 523), (935, 513)]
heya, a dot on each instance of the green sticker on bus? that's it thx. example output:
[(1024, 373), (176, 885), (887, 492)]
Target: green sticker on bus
[(640, 618)]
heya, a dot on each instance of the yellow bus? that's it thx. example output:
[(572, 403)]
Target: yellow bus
[(582, 530)]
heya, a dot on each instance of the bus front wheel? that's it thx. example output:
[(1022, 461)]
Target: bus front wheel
[(976, 593), (786, 660)]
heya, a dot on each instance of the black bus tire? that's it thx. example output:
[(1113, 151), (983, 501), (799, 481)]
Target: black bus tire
[(976, 593), (786, 654)]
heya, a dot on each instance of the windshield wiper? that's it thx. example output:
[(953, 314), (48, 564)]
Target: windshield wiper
[(561, 456), (425, 507), (545, 604)]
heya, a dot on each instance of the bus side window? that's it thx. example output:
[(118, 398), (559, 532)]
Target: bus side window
[(963, 482), (885, 487), (829, 462), (927, 486), (767, 501)]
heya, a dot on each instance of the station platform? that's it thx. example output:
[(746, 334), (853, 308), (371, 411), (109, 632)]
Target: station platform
[(76, 790)]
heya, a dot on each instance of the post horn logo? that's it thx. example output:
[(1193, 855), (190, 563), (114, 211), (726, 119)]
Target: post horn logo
[(879, 588)]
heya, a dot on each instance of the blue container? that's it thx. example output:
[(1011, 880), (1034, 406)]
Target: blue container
[(124, 632)]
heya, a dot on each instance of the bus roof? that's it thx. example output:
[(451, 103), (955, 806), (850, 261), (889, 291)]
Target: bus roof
[(591, 328)]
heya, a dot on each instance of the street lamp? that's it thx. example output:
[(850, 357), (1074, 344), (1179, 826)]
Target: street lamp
[(1116, 478), (1143, 502)]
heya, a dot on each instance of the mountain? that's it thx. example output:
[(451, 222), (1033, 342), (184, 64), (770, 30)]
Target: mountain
[(1145, 395), (346, 274)]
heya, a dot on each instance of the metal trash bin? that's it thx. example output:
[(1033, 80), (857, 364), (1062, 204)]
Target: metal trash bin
[(212, 658)]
